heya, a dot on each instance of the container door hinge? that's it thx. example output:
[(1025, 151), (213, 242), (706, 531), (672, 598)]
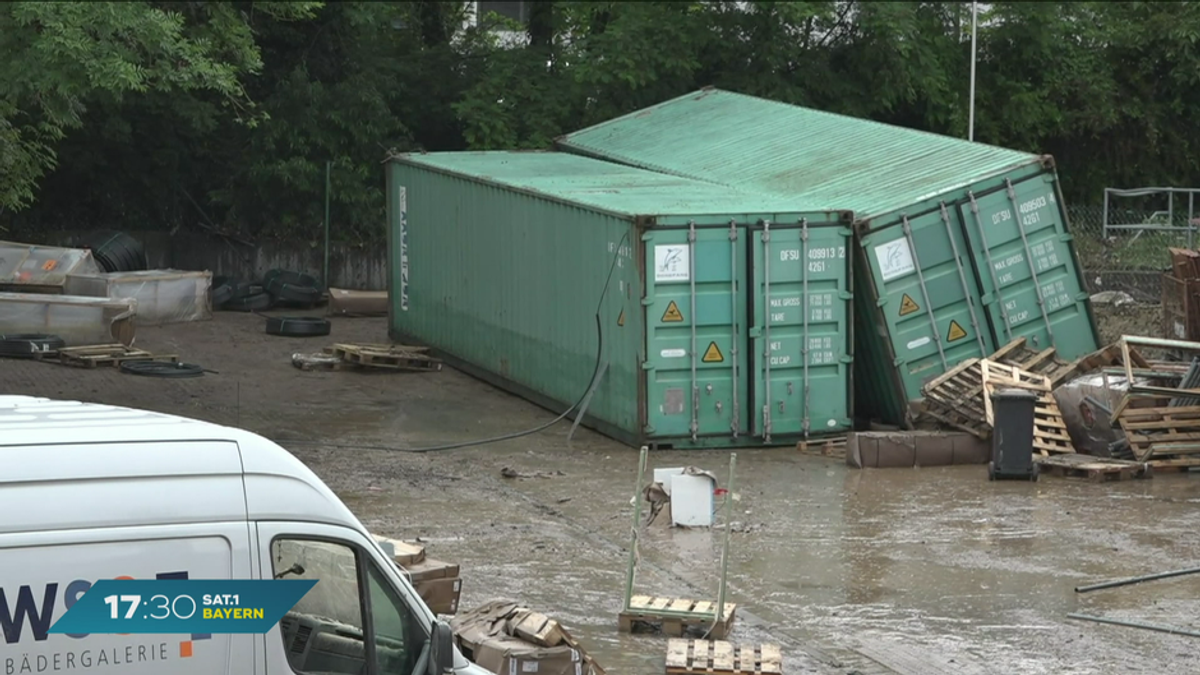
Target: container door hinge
[(987, 298), (756, 332), (845, 295), (899, 361), (647, 366), (846, 358), (1082, 296), (846, 232), (648, 430), (881, 301), (647, 236), (646, 302)]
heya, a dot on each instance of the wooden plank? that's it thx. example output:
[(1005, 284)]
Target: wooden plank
[(771, 658), (677, 653), (681, 605), (660, 603), (722, 656), (640, 601), (705, 607)]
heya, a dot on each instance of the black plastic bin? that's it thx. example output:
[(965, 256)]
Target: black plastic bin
[(1012, 435)]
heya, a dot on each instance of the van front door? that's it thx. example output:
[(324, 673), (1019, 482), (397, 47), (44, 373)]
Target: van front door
[(360, 618)]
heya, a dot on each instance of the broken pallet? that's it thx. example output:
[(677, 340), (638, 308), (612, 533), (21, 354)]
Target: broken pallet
[(688, 657), (1095, 469), (676, 616), (389, 357)]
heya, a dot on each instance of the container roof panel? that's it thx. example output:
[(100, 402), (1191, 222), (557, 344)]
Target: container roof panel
[(757, 144), (607, 186)]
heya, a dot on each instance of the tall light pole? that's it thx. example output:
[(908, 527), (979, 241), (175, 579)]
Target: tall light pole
[(971, 109)]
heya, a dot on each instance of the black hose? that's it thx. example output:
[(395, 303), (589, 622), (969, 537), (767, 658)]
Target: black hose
[(293, 287), (221, 291), (167, 369), (29, 345), (297, 326), (117, 252), (519, 434), (250, 303)]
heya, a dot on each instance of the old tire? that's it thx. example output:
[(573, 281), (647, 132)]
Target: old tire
[(164, 369), (293, 288), (250, 303), (297, 326), (29, 345)]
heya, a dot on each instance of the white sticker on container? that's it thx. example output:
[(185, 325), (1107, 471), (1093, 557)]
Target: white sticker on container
[(673, 353), (919, 342), (831, 423), (895, 259), (1180, 331), (672, 262), (529, 667)]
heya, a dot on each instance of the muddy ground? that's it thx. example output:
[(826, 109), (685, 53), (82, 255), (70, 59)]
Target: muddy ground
[(896, 570)]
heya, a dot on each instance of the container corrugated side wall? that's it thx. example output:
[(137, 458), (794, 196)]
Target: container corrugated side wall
[(928, 280), (508, 283)]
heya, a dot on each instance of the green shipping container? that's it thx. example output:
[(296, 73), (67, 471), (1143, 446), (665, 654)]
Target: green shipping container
[(706, 316), (961, 247)]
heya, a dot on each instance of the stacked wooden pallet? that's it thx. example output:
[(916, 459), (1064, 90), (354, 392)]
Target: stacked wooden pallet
[(962, 397), (1161, 418)]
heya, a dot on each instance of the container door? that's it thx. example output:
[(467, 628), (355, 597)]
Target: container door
[(1031, 287), (695, 326), (800, 338), (928, 305)]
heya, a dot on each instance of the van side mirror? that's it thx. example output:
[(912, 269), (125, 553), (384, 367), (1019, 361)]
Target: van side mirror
[(441, 648)]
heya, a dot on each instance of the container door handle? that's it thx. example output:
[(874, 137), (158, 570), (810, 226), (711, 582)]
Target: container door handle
[(1012, 200), (962, 279), (987, 253), (937, 337)]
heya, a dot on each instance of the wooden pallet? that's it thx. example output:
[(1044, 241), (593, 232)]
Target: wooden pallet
[(389, 357), (1162, 431), (675, 616), (1095, 469), (93, 356), (834, 447), (686, 657), (1174, 465), (1049, 429)]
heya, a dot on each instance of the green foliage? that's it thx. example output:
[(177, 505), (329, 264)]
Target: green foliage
[(225, 114)]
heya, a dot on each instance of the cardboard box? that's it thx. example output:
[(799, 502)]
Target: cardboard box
[(486, 636), (429, 569), (440, 594), (405, 553), (344, 302), (901, 449)]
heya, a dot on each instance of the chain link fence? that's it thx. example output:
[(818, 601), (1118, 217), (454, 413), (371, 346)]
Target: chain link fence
[(1127, 260)]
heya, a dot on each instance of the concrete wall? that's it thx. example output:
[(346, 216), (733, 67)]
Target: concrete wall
[(350, 267)]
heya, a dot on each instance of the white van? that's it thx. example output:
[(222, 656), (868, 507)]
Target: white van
[(91, 492)]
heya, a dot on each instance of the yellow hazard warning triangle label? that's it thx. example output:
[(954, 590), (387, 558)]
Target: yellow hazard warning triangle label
[(713, 354), (672, 315), (956, 332), (908, 305), (621, 318)]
